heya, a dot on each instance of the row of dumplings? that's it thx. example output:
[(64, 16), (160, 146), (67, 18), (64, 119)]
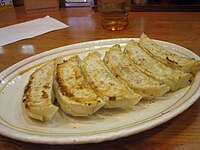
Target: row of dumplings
[(144, 70)]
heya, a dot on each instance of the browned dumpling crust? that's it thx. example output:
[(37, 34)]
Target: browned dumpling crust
[(38, 94)]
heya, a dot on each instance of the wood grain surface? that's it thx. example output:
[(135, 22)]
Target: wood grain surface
[(182, 28)]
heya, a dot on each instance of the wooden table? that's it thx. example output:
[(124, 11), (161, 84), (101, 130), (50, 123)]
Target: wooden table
[(183, 28)]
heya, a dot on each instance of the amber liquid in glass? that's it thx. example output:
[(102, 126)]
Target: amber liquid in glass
[(114, 14), (115, 21)]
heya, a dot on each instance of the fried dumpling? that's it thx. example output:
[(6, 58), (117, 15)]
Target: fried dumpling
[(38, 94), (73, 93), (106, 85), (189, 65), (174, 78), (120, 65)]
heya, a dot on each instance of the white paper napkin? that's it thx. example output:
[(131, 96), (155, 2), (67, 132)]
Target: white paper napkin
[(29, 29)]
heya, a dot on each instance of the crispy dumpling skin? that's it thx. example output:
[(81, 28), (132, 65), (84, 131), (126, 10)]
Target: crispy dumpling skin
[(189, 65), (120, 65), (106, 85), (174, 78), (38, 94), (74, 95)]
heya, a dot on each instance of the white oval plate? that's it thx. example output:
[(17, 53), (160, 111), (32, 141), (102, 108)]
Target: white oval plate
[(106, 124)]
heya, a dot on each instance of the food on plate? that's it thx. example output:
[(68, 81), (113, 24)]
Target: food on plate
[(106, 85), (172, 77), (74, 94), (172, 60), (38, 94), (82, 87), (120, 65)]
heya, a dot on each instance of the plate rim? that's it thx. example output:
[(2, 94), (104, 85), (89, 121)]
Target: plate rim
[(103, 136)]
